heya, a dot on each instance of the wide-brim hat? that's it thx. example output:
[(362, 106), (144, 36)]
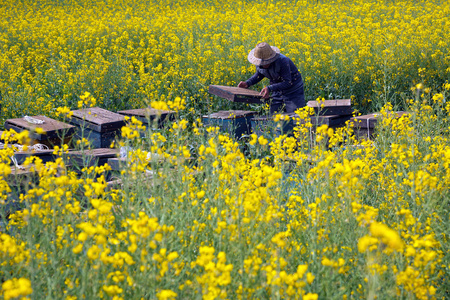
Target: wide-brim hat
[(263, 54)]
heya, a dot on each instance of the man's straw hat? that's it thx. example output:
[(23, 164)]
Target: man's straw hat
[(263, 54)]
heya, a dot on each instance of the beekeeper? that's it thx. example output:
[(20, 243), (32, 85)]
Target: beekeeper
[(286, 83)]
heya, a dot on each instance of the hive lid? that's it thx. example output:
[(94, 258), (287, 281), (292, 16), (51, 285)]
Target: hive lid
[(98, 119), (53, 128)]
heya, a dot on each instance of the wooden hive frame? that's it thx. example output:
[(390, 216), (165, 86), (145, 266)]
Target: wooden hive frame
[(235, 94)]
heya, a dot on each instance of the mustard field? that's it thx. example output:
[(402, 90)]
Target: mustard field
[(322, 213), (131, 53)]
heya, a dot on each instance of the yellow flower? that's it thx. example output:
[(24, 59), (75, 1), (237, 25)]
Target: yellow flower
[(39, 130), (365, 242), (14, 288), (310, 278), (94, 252), (112, 290), (77, 249), (166, 295), (310, 296), (254, 139), (262, 141)]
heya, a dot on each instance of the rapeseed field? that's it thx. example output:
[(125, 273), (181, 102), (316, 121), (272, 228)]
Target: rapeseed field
[(322, 213)]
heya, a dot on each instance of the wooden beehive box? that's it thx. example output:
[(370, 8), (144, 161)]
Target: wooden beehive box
[(332, 107), (235, 94), (330, 120), (368, 121), (149, 115), (92, 157), (56, 132), (365, 125), (98, 125), (266, 126), (44, 155), (235, 122)]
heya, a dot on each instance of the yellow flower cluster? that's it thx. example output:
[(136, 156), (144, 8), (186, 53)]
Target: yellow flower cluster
[(15, 288)]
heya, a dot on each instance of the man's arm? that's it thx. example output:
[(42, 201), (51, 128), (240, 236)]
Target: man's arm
[(286, 80), (257, 77)]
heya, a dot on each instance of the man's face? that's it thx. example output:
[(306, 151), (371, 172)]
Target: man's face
[(265, 66)]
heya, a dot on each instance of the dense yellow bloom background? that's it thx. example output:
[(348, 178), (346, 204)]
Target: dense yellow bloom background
[(127, 54)]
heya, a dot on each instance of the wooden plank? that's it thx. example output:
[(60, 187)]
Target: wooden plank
[(100, 152), (22, 170), (44, 155), (332, 107), (235, 94), (230, 114), (365, 121), (53, 128), (97, 119), (331, 103), (43, 139), (146, 114), (92, 157)]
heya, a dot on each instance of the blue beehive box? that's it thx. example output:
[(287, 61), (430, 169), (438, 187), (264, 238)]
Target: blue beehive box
[(98, 125), (234, 122), (266, 126)]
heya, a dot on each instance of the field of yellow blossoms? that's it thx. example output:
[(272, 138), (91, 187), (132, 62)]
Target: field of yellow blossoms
[(318, 214)]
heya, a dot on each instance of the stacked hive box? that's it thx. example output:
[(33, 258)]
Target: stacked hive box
[(234, 122), (56, 133), (98, 125), (365, 125), (333, 113)]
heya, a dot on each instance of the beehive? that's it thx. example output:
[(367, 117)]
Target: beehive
[(365, 125), (234, 122), (98, 125), (332, 107), (266, 126), (56, 132), (92, 157)]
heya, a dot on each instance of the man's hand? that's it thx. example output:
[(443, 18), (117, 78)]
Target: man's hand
[(265, 93), (243, 84)]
